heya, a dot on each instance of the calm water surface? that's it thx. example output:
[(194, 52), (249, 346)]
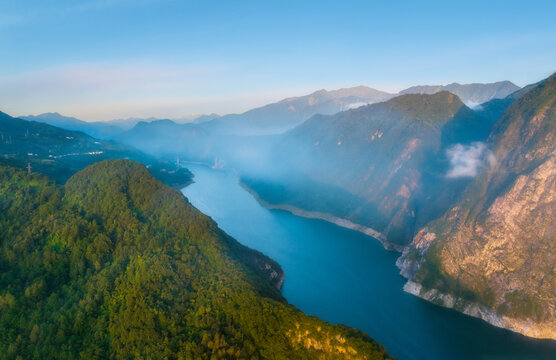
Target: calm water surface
[(343, 276)]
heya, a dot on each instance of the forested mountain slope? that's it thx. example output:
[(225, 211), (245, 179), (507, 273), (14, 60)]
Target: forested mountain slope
[(114, 264)]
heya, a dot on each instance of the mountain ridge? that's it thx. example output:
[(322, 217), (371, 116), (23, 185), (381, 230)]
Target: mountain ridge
[(289, 112), (474, 93), (285, 114), (371, 165), (97, 129), (493, 249), (59, 153)]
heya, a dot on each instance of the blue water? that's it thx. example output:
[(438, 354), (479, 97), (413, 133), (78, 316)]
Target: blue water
[(343, 276)]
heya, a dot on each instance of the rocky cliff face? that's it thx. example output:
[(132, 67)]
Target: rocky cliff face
[(492, 255)]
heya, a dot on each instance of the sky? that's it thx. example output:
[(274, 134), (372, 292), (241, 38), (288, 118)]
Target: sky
[(106, 59)]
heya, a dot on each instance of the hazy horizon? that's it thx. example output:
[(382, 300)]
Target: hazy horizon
[(99, 60), (192, 116)]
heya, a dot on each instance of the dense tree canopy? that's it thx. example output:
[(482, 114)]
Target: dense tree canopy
[(117, 265)]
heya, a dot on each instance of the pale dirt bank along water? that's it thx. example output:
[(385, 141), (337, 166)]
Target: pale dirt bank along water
[(344, 276)]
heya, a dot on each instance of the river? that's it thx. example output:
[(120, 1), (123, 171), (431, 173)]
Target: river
[(343, 276)]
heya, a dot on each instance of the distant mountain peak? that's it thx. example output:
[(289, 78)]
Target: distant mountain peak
[(55, 113), (97, 129), (474, 93), (163, 122), (283, 115)]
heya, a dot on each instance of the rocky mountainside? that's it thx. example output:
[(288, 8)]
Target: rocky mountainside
[(283, 115), (492, 255), (472, 94), (114, 264), (382, 166)]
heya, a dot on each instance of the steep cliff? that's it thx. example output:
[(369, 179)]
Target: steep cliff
[(492, 255)]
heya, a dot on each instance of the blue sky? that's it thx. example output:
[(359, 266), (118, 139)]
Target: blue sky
[(103, 59)]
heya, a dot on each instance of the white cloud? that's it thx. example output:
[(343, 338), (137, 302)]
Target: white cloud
[(467, 160), (474, 105), (355, 105)]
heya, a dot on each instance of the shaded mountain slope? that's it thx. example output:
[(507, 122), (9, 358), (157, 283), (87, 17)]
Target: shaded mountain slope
[(381, 166)]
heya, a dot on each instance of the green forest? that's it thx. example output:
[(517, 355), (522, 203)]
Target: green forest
[(115, 264)]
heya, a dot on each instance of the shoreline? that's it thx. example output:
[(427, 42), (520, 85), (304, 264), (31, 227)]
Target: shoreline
[(434, 296), (528, 328), (523, 327), (326, 217)]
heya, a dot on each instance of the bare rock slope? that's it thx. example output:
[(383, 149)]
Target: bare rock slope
[(493, 254)]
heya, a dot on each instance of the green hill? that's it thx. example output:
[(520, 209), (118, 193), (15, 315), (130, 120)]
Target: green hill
[(114, 264)]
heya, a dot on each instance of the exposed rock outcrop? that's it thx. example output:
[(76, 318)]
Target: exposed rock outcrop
[(493, 255)]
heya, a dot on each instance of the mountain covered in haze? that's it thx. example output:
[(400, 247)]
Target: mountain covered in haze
[(382, 166), (283, 115), (59, 153), (473, 191), (114, 264), (196, 118), (194, 142), (233, 136), (107, 129), (334, 164), (472, 94), (97, 129), (492, 254), (278, 117), (240, 139), (170, 139)]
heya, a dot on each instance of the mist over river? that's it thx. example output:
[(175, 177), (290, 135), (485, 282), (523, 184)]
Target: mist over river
[(344, 276)]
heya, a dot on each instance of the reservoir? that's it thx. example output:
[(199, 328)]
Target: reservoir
[(343, 276)]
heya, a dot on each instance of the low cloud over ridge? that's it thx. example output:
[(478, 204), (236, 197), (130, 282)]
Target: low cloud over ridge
[(467, 160)]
